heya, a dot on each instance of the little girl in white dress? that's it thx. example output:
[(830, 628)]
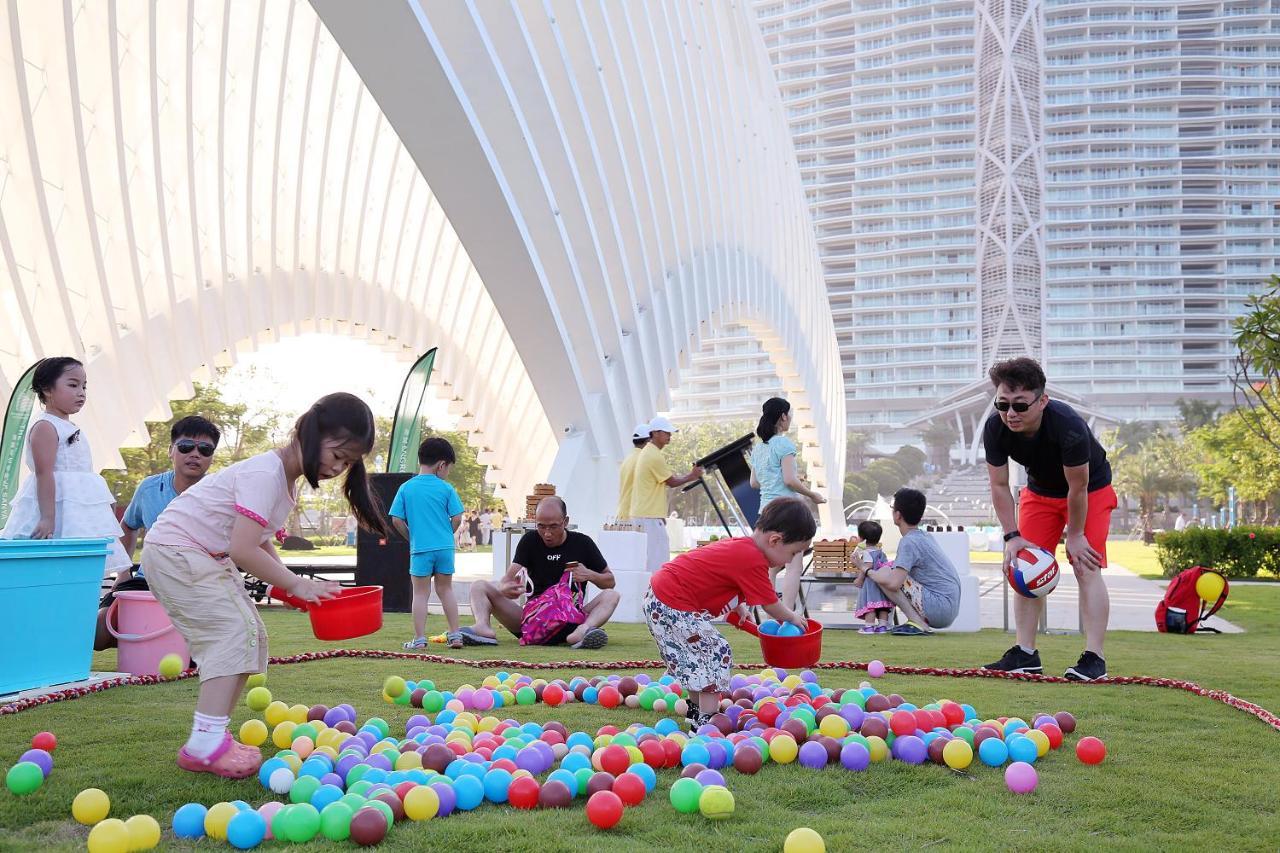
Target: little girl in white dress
[(80, 505)]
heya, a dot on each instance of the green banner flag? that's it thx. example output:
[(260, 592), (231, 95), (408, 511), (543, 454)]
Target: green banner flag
[(406, 429), (14, 438)]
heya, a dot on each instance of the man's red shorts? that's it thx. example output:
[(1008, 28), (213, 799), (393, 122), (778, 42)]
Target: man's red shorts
[(1041, 520)]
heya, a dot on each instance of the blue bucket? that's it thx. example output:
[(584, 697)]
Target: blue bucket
[(49, 591)]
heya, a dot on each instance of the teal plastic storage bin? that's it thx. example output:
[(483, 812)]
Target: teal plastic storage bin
[(49, 591)]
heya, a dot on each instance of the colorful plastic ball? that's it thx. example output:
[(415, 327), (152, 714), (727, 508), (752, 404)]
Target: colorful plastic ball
[(993, 752), (694, 753), (109, 836), (394, 686), (604, 809), (804, 840), (422, 803), (554, 794), (469, 792), (646, 774), (335, 821), (783, 749), (685, 794), (813, 755), (747, 761), (282, 781), (1020, 777), (253, 732), (302, 823), (630, 788), (770, 627), (1041, 740), (957, 754), (40, 758), (1052, 733), (170, 666), (47, 741), (246, 830), (855, 756), (368, 827), (1066, 722), (911, 749), (90, 806), (24, 778), (1022, 749), (1209, 587), (1090, 750), (188, 821), (256, 680), (523, 793), (258, 699), (716, 802), (497, 783), (144, 832), (875, 669), (789, 629)]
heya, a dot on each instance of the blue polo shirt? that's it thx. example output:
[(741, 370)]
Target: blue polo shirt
[(426, 504), (149, 500)]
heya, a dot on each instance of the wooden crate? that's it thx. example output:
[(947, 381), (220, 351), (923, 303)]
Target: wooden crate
[(831, 558)]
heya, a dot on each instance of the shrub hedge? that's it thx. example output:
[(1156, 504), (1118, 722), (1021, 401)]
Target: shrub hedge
[(1241, 552)]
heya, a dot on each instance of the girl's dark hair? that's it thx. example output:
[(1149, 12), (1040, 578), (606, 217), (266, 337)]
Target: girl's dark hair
[(48, 370), (870, 532), (774, 408), (346, 418), (790, 517)]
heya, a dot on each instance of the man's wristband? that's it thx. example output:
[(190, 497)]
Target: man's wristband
[(1011, 535)]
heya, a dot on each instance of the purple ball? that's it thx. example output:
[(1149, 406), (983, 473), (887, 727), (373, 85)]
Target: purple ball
[(530, 759), (417, 720), (733, 712), (854, 756), (345, 763), (813, 755), (333, 716), (809, 676), (853, 715), (380, 761), (447, 798), (41, 758), (717, 754), (332, 779), (369, 739), (710, 777), (911, 749)]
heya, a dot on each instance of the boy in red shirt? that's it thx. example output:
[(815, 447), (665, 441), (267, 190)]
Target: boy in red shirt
[(701, 585)]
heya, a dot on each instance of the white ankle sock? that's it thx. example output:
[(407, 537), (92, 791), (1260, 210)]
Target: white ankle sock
[(1027, 650), (207, 733)]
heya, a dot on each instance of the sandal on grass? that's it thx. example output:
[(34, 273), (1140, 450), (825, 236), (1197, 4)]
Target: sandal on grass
[(455, 639), (416, 643), (226, 761)]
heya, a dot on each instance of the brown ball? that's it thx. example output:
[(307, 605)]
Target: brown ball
[(554, 795), (415, 698), (317, 712), (691, 771), (747, 760), (936, 746), (601, 781), (877, 702), (368, 827), (797, 729), (628, 685), (346, 727), (874, 726), (437, 757)]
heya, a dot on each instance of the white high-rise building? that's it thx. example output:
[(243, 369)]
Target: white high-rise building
[(1097, 185)]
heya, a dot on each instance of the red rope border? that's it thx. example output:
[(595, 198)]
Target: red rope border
[(1222, 696)]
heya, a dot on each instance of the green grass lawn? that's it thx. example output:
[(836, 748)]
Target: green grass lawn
[(1182, 771)]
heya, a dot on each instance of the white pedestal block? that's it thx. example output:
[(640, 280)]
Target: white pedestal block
[(623, 550), (631, 587), (956, 547)]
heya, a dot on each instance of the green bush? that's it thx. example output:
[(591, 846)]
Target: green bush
[(1242, 552)]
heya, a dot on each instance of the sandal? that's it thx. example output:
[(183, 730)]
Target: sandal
[(455, 639), (416, 643), (867, 629), (226, 761)]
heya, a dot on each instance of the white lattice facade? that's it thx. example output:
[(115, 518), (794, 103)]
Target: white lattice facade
[(566, 198)]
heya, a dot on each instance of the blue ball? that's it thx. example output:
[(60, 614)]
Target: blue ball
[(469, 792), (496, 783), (575, 761), (242, 805), (788, 629), (566, 776), (590, 695), (666, 726), (324, 795), (993, 752), (580, 738), (188, 821), (770, 627), (246, 830), (1013, 725), (1022, 749), (375, 775), (268, 767), (695, 753), (646, 773)]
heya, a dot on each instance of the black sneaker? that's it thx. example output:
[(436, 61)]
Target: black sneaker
[(1090, 667), (909, 629), (1016, 660)]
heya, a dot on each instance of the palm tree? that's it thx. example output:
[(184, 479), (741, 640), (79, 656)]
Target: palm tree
[(939, 437)]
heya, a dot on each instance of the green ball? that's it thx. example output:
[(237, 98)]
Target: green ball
[(624, 739), (379, 724), (303, 823), (304, 729), (685, 794), (965, 733), (648, 697), (257, 680), (335, 821), (385, 809), (403, 698), (394, 686), (433, 702), (426, 684), (857, 738), (763, 745), (526, 695), (280, 823), (583, 775), (304, 788), (24, 778), (353, 800), (258, 699), (853, 697), (360, 785)]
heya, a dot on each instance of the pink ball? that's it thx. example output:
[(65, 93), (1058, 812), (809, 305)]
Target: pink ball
[(875, 669), (268, 811), (1021, 777), (482, 700)]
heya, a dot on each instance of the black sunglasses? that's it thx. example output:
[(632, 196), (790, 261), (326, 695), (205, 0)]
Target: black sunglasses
[(186, 445), (1018, 406)]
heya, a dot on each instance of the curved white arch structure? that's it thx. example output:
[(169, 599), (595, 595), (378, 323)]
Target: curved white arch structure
[(562, 196)]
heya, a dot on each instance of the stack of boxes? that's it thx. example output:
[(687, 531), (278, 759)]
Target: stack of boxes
[(540, 491), (833, 558)]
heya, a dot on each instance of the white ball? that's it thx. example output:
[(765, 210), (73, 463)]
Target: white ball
[(281, 781), (1033, 573)]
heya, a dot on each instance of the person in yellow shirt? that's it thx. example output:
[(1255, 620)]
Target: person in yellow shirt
[(649, 492), (627, 474)]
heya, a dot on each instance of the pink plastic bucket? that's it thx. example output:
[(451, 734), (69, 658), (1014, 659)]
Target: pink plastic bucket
[(142, 627)]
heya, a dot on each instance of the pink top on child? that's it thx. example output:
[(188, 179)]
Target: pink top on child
[(203, 515)]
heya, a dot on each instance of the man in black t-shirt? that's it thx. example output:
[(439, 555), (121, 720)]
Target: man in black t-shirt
[(541, 559), (1068, 487)]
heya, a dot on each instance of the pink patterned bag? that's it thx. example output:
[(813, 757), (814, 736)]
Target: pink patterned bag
[(547, 614)]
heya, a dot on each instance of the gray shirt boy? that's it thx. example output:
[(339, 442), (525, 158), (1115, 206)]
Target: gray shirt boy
[(920, 556)]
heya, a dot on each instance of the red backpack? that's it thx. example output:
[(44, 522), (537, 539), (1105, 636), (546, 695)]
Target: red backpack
[(1182, 611)]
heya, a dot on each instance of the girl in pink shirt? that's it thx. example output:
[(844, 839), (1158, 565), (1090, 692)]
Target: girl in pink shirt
[(230, 519)]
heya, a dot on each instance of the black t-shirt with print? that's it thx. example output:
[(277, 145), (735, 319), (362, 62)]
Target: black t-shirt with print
[(546, 565), (1064, 439)]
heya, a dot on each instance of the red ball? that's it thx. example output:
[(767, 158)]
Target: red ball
[(604, 809), (653, 754), (368, 827), (1066, 722), (600, 782), (403, 789), (671, 751), (936, 746), (630, 789), (1090, 750), (553, 694), (504, 764), (902, 723), (525, 792), (1054, 734), (615, 759), (768, 713), (607, 730), (46, 741), (609, 697), (554, 795), (747, 760), (952, 713)]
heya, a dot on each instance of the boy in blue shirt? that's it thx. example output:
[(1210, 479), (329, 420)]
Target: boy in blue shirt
[(427, 511)]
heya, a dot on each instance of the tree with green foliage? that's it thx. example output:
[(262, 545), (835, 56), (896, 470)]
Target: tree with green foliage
[(888, 475), (1156, 469), (693, 442), (939, 437), (911, 459), (1257, 368), (1230, 453), (1193, 414), (859, 486)]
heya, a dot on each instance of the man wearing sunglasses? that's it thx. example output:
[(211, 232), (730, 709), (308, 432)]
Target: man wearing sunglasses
[(192, 441), (1068, 488)]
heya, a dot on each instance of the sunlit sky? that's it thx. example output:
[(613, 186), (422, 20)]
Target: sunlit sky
[(290, 375)]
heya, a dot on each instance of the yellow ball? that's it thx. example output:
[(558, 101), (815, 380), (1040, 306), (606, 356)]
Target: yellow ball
[(783, 749), (258, 699), (290, 758), (258, 679), (109, 836), (1209, 587), (144, 832), (216, 820), (277, 712), (957, 754), (170, 666), (1041, 740), (488, 724), (394, 686), (91, 806), (298, 714), (421, 803), (804, 840), (282, 735), (791, 682), (408, 761), (253, 732), (878, 748), (834, 725), (716, 802)]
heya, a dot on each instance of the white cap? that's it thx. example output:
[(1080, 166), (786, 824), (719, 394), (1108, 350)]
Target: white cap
[(641, 431), (661, 424)]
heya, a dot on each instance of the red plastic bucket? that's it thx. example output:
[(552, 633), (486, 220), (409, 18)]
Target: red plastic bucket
[(355, 612), (785, 652)]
